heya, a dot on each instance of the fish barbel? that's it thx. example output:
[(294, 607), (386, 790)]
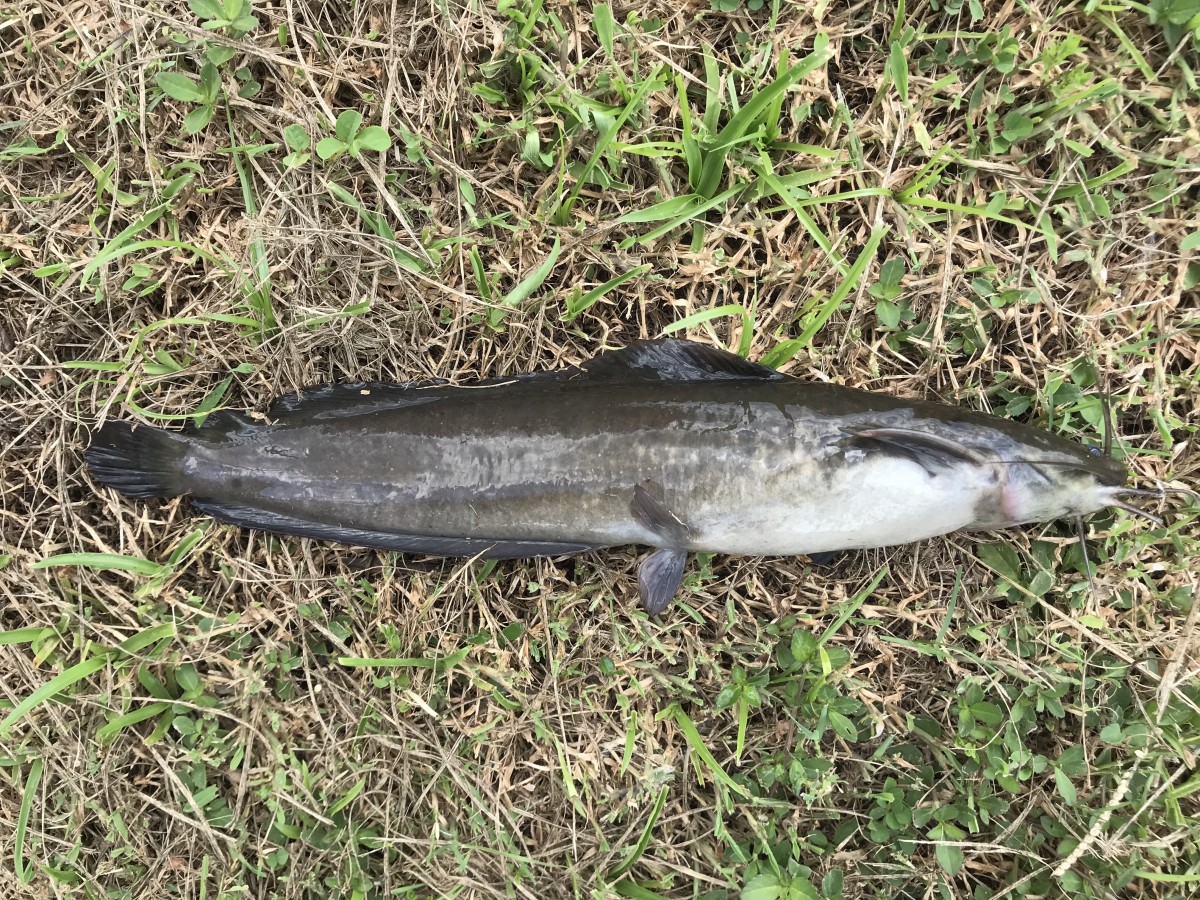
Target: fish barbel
[(666, 443)]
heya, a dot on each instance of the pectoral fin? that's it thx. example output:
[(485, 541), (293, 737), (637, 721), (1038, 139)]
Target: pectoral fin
[(651, 512), (930, 451), (659, 579), (662, 571)]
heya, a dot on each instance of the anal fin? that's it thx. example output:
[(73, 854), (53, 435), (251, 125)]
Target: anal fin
[(432, 545)]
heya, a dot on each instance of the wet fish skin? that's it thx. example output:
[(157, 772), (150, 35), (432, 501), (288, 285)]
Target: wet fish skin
[(669, 444)]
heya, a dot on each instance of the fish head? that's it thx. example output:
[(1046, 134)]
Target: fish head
[(1042, 480), (1019, 474)]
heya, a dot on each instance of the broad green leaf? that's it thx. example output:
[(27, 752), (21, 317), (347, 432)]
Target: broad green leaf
[(219, 55), (1003, 559), (296, 137), (179, 87), (888, 314), (329, 147), (197, 119), (347, 125), (950, 858), (764, 886), (602, 19), (206, 9), (374, 137), (1066, 788), (210, 82)]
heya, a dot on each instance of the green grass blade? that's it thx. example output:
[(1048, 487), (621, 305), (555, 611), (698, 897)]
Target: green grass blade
[(119, 723), (347, 798), (652, 83), (808, 222), (691, 147), (84, 669), (436, 663), (602, 21), (669, 226), (898, 66), (574, 308), (644, 840), (404, 258), (24, 636), (55, 685), (111, 253), (788, 349), (25, 876), (897, 22), (707, 315), (757, 106), (850, 607), (712, 93), (666, 209), (144, 221), (696, 742), (631, 890), (258, 290), (527, 285), (102, 562), (143, 639)]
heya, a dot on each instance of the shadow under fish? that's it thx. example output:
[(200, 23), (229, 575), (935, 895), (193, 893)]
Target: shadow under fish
[(665, 443)]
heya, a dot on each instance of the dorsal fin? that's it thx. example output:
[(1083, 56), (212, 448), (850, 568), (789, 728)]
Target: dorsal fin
[(331, 401), (671, 359), (224, 424), (666, 359)]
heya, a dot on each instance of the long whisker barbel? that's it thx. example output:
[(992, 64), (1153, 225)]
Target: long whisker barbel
[(1130, 508), (1157, 493)]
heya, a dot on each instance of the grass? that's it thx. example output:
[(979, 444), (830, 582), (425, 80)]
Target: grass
[(212, 203)]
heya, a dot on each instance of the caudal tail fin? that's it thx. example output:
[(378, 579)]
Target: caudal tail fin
[(138, 461)]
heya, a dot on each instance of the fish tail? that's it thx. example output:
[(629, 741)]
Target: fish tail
[(138, 461)]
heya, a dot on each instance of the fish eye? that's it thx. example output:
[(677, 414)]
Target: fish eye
[(1095, 452)]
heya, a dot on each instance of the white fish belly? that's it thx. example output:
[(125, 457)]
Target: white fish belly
[(877, 502)]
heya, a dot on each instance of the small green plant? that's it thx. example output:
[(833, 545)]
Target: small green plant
[(885, 291), (1176, 18), (731, 5), (349, 137), (229, 17), (298, 142), (791, 884), (204, 93), (232, 17)]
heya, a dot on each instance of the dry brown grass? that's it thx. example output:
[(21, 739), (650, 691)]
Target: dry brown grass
[(505, 775)]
